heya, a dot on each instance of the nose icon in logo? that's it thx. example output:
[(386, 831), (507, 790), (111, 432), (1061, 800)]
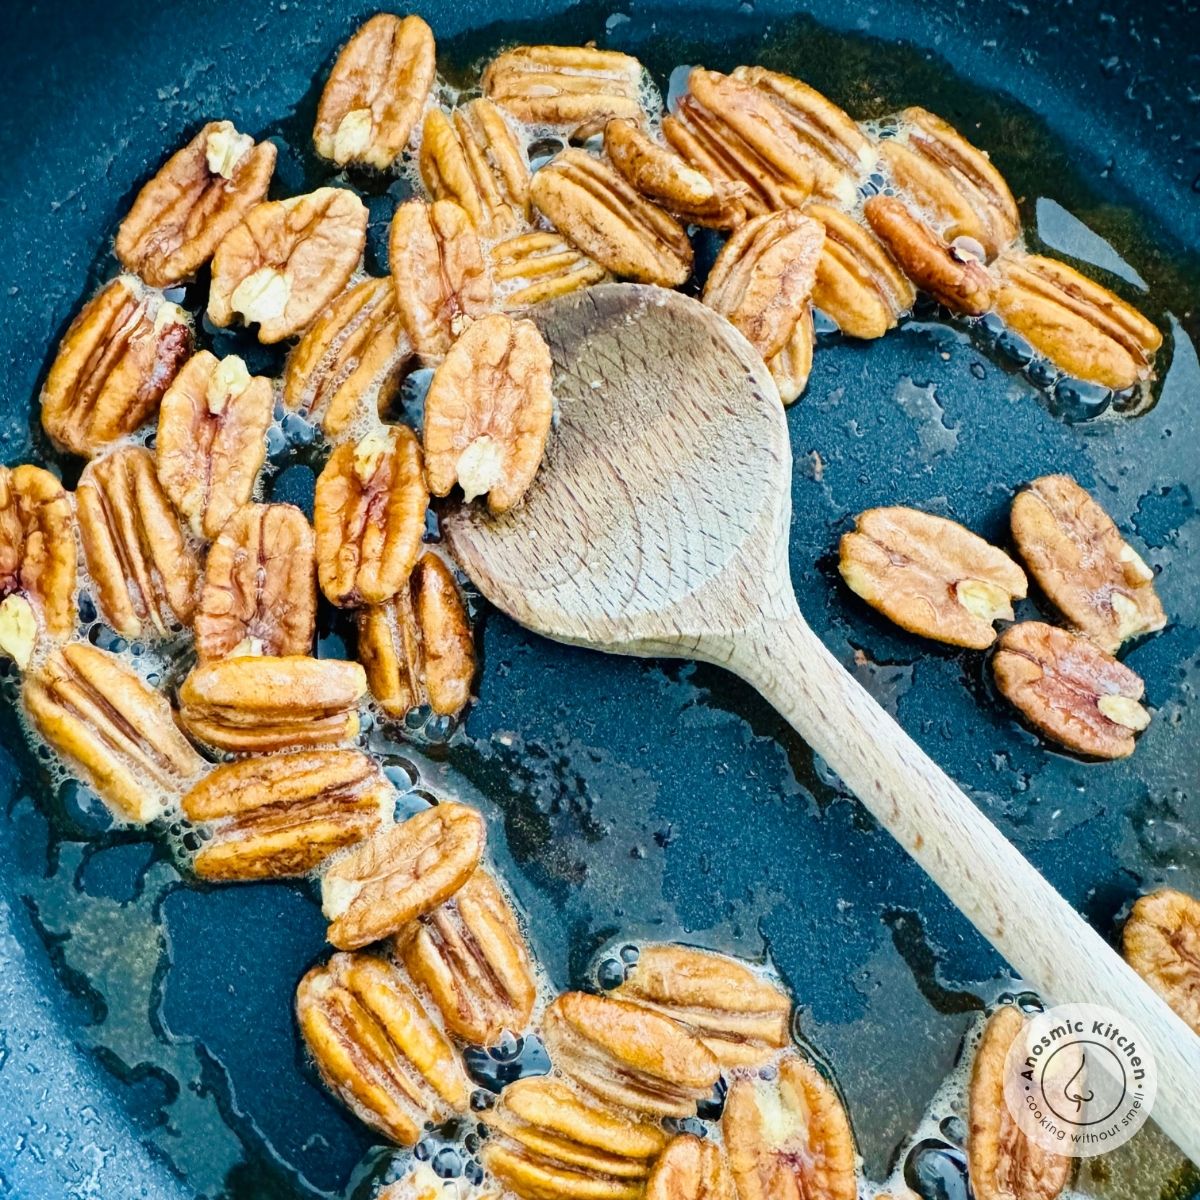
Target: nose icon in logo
[(1073, 1091)]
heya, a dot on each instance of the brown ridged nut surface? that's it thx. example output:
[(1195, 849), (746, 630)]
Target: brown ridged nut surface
[(113, 365), (377, 888), (211, 444), (256, 704), (286, 261), (112, 730), (376, 91), (143, 566), (470, 955), (537, 266), (37, 561), (629, 1055), (377, 1049), (488, 412), (1161, 942), (930, 575), (1086, 568), (789, 1137), (369, 515), (1069, 689), (260, 586), (417, 648), (283, 815), (1004, 1163), (691, 1168), (549, 1142), (198, 195), (741, 1017)]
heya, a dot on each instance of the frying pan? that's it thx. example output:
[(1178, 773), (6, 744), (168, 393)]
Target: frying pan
[(146, 1038)]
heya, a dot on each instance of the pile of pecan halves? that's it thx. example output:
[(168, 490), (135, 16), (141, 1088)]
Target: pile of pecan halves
[(258, 748)]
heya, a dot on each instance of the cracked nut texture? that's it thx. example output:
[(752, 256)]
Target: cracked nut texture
[(211, 444), (628, 1055), (548, 1142), (283, 815), (417, 648), (1069, 689), (375, 92), (789, 1137), (1086, 568), (112, 730), (488, 412), (739, 1016), (369, 515), (199, 194), (113, 365), (470, 956), (930, 575), (1162, 944), (377, 888), (286, 261), (1004, 1163), (377, 1049), (260, 591), (143, 568), (258, 704), (691, 1168)]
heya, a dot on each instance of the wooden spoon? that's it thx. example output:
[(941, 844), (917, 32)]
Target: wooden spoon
[(658, 525)]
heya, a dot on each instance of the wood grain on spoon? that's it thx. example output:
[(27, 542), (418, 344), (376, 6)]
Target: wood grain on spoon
[(658, 524)]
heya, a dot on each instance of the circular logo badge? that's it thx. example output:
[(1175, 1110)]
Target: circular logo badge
[(1080, 1079)]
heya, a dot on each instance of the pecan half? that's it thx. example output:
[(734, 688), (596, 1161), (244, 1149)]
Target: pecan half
[(955, 183), (286, 261), (470, 955), (858, 283), (738, 1015), (350, 362), (1069, 689), (547, 1142), (1083, 564), (439, 273), (790, 368), (37, 561), (248, 704), (212, 429), (930, 575), (260, 589), (1004, 1163), (1081, 327), (111, 729), (369, 514), (763, 278), (375, 92), (593, 207), (789, 1136), (417, 649), (662, 176), (1161, 942), (838, 150), (537, 266), (473, 158), (284, 815), (735, 135), (691, 1168), (402, 873), (199, 194), (564, 85), (488, 412), (142, 566), (377, 1049), (113, 365), (628, 1055), (949, 272)]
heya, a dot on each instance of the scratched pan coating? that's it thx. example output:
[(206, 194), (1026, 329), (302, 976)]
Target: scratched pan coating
[(146, 1039)]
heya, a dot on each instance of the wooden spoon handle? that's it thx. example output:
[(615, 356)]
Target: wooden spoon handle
[(989, 880)]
